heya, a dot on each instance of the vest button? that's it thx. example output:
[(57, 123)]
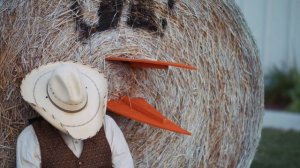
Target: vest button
[(80, 163)]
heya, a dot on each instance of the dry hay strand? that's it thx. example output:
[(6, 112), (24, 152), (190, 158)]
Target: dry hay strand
[(221, 103)]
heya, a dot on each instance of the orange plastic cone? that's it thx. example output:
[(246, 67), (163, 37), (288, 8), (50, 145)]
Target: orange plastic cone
[(138, 109), (144, 63)]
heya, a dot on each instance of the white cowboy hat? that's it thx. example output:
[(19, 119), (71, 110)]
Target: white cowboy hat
[(70, 96)]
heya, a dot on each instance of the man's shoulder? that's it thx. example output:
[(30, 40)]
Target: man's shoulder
[(26, 133), (110, 124), (108, 118), (109, 121), (29, 131)]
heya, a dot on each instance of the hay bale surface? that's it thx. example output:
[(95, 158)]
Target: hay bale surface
[(221, 103)]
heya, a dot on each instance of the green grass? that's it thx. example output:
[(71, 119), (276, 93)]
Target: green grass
[(278, 149)]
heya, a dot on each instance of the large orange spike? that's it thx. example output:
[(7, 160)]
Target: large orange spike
[(138, 109), (144, 63)]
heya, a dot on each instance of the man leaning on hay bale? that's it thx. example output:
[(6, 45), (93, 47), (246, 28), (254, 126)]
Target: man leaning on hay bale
[(74, 131)]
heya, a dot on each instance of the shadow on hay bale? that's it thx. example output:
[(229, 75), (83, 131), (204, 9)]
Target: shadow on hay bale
[(221, 103)]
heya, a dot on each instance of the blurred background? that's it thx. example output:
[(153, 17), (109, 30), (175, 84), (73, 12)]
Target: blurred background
[(275, 25)]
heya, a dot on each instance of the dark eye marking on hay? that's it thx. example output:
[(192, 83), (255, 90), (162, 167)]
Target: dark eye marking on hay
[(109, 13), (171, 4), (164, 23), (141, 15)]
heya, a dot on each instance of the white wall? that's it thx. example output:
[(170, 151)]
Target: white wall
[(275, 25)]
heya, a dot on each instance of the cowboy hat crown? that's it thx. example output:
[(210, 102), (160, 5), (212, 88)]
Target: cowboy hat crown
[(66, 90)]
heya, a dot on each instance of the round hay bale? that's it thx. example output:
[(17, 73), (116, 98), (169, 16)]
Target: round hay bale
[(221, 103)]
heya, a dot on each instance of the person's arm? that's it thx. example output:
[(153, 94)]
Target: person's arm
[(121, 157), (28, 149)]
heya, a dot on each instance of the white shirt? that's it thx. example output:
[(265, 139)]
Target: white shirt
[(29, 154)]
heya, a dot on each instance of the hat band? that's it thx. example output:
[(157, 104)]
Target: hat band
[(69, 108)]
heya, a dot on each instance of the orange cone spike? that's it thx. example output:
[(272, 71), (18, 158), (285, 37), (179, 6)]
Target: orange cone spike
[(144, 63), (138, 109)]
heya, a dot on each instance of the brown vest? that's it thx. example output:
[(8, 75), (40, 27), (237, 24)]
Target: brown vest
[(55, 153)]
